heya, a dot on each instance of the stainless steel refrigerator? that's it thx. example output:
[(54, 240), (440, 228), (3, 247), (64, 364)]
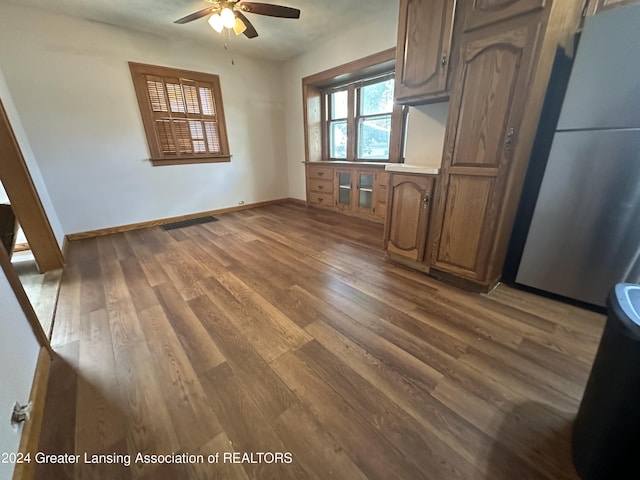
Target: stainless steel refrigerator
[(584, 235)]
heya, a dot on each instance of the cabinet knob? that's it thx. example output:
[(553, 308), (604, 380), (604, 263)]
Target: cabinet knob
[(425, 200), (443, 61)]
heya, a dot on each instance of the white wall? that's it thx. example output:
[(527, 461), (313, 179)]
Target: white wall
[(18, 356), (30, 160), (359, 41), (426, 126), (70, 82)]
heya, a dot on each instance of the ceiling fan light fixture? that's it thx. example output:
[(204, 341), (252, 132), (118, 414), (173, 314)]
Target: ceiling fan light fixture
[(216, 22), (239, 27), (228, 18)]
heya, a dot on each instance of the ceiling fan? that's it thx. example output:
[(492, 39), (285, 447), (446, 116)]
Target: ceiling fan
[(230, 14)]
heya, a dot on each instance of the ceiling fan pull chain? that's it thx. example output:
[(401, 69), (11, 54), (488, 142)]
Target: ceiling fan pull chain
[(227, 46)]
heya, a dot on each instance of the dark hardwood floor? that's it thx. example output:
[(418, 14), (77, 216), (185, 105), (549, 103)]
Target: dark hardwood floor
[(283, 330)]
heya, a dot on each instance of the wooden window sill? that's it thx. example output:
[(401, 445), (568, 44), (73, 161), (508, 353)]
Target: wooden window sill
[(158, 162)]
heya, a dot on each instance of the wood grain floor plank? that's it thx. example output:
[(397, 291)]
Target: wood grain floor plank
[(248, 430), (149, 429), (370, 451), (314, 447), (142, 294), (419, 446), (414, 370), (249, 319), (252, 371), (193, 420), (100, 422), (219, 470), (196, 340)]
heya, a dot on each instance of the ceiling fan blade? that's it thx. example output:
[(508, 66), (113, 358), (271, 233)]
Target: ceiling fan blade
[(196, 15), (250, 32), (269, 10)]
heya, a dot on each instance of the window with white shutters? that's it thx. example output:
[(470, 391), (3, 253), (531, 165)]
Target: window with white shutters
[(182, 114)]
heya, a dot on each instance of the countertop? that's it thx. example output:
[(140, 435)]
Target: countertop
[(407, 168)]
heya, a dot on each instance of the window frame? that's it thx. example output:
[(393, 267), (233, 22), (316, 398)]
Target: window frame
[(315, 107), (354, 116), (139, 73)]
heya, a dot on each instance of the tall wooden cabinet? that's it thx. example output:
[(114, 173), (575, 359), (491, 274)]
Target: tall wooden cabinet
[(424, 46), (506, 54)]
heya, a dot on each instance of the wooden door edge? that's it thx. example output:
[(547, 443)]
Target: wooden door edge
[(33, 426), (30, 211)]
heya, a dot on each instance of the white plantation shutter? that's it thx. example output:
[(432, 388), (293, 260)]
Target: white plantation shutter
[(181, 112)]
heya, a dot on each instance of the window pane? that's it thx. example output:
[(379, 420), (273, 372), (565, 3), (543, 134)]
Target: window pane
[(339, 105), (338, 140), (213, 137), (206, 98), (156, 96), (163, 129), (176, 101), (191, 96), (377, 98), (182, 136), (373, 137)]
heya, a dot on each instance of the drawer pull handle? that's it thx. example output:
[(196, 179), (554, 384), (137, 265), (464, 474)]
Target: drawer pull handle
[(320, 187), (320, 174), (320, 199)]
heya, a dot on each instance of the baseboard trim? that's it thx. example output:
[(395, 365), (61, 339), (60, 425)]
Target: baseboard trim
[(31, 431), (154, 223)]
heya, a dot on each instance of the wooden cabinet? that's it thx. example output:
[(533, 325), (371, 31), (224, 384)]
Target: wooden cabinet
[(596, 6), (381, 195), (410, 209), (320, 185), (349, 188), (423, 49), (481, 13), (496, 99)]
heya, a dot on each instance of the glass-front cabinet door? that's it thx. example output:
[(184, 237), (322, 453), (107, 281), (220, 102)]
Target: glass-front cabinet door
[(343, 181), (365, 190)]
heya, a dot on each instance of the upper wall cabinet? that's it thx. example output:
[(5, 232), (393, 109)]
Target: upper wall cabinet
[(486, 12), (423, 49)]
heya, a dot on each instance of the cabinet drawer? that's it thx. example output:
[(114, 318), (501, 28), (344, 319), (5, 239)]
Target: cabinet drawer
[(320, 172), (321, 199), (321, 186)]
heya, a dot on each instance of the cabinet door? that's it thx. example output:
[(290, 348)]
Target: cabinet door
[(486, 112), (485, 12), (364, 187), (410, 208), (343, 189), (424, 41)]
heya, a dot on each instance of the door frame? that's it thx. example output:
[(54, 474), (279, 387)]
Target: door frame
[(25, 201)]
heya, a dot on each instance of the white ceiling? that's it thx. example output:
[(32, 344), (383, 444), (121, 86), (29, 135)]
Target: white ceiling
[(279, 39)]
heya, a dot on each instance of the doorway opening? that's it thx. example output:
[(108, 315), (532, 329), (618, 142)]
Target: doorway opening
[(41, 288)]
